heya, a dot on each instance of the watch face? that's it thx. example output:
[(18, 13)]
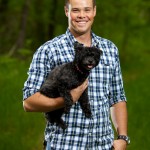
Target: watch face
[(128, 140)]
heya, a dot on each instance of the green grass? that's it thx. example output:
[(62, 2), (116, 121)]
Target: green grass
[(136, 81), (21, 130), (138, 107)]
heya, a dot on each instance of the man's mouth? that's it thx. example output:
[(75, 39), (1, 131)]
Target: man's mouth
[(81, 22)]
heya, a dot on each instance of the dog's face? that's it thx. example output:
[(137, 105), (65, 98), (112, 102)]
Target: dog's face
[(87, 57)]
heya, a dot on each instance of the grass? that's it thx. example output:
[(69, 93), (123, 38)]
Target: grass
[(138, 98), (136, 79), (21, 130)]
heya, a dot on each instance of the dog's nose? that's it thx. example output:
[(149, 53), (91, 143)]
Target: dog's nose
[(90, 61)]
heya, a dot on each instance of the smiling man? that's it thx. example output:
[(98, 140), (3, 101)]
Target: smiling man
[(80, 17), (105, 87)]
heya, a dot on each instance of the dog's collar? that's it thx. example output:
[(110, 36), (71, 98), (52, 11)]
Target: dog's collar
[(78, 69)]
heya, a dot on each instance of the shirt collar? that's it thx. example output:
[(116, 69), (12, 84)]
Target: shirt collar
[(96, 42), (72, 40)]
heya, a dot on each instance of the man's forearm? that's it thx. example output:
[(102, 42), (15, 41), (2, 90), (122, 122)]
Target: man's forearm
[(119, 117), (41, 103)]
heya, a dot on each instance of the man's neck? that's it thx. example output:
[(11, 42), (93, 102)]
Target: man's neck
[(84, 38)]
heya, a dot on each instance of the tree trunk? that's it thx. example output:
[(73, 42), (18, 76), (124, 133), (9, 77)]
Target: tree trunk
[(52, 24), (3, 9), (20, 40)]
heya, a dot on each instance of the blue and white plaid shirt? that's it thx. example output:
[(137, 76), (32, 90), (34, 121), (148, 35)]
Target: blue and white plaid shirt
[(105, 89)]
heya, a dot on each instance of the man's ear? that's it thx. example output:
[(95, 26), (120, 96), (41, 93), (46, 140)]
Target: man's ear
[(66, 10), (94, 11)]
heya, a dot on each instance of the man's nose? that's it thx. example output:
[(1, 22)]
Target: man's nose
[(81, 14)]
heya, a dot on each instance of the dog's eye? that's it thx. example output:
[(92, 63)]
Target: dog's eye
[(92, 54)]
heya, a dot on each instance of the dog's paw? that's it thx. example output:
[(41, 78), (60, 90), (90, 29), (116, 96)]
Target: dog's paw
[(62, 124), (67, 109), (64, 127)]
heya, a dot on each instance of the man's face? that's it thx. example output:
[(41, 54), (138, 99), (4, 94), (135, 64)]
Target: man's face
[(80, 15)]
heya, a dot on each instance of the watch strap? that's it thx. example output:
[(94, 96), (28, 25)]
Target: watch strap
[(125, 138)]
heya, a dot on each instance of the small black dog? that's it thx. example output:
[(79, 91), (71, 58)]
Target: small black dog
[(68, 76)]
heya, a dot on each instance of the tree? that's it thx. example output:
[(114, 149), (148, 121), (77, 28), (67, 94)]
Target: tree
[(23, 23)]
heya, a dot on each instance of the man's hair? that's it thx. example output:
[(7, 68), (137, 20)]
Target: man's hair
[(67, 2)]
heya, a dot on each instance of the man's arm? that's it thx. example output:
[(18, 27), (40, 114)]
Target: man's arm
[(119, 119), (40, 103)]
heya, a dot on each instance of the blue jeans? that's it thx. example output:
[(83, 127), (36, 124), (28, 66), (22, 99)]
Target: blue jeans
[(48, 146)]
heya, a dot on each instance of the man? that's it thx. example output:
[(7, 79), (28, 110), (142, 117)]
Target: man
[(105, 87)]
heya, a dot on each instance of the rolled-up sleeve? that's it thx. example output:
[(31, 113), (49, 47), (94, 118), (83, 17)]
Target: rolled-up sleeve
[(117, 93), (38, 71)]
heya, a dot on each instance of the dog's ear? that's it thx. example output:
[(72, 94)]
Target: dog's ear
[(78, 45), (99, 50)]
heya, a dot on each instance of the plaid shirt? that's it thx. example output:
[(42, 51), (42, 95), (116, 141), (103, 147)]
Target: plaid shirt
[(105, 89)]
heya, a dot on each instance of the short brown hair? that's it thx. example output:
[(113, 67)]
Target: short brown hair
[(67, 2)]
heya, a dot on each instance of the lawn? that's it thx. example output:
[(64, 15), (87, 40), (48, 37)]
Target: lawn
[(19, 130), (136, 81)]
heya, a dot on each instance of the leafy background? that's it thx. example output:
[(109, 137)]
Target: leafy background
[(26, 24)]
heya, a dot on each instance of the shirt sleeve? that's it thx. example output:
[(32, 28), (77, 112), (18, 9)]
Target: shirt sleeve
[(38, 71), (117, 93)]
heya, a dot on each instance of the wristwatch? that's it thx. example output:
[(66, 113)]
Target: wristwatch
[(125, 138)]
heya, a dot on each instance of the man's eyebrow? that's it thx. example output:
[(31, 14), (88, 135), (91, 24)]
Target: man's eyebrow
[(87, 7), (81, 8)]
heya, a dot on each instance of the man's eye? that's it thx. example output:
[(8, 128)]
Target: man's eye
[(75, 10), (87, 10)]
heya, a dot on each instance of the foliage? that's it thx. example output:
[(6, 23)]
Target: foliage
[(27, 24)]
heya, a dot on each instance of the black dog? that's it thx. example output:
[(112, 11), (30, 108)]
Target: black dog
[(68, 76)]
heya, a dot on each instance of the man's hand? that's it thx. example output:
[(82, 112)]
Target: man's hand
[(119, 144), (77, 92)]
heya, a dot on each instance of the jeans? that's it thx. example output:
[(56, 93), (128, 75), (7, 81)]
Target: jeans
[(48, 146)]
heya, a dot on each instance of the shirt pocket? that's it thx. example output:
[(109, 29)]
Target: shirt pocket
[(100, 79), (106, 71)]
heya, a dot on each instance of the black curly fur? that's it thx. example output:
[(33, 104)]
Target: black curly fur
[(68, 76)]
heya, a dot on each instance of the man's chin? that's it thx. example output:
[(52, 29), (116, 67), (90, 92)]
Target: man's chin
[(82, 31)]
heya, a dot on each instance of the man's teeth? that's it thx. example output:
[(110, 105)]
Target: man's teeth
[(81, 21)]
